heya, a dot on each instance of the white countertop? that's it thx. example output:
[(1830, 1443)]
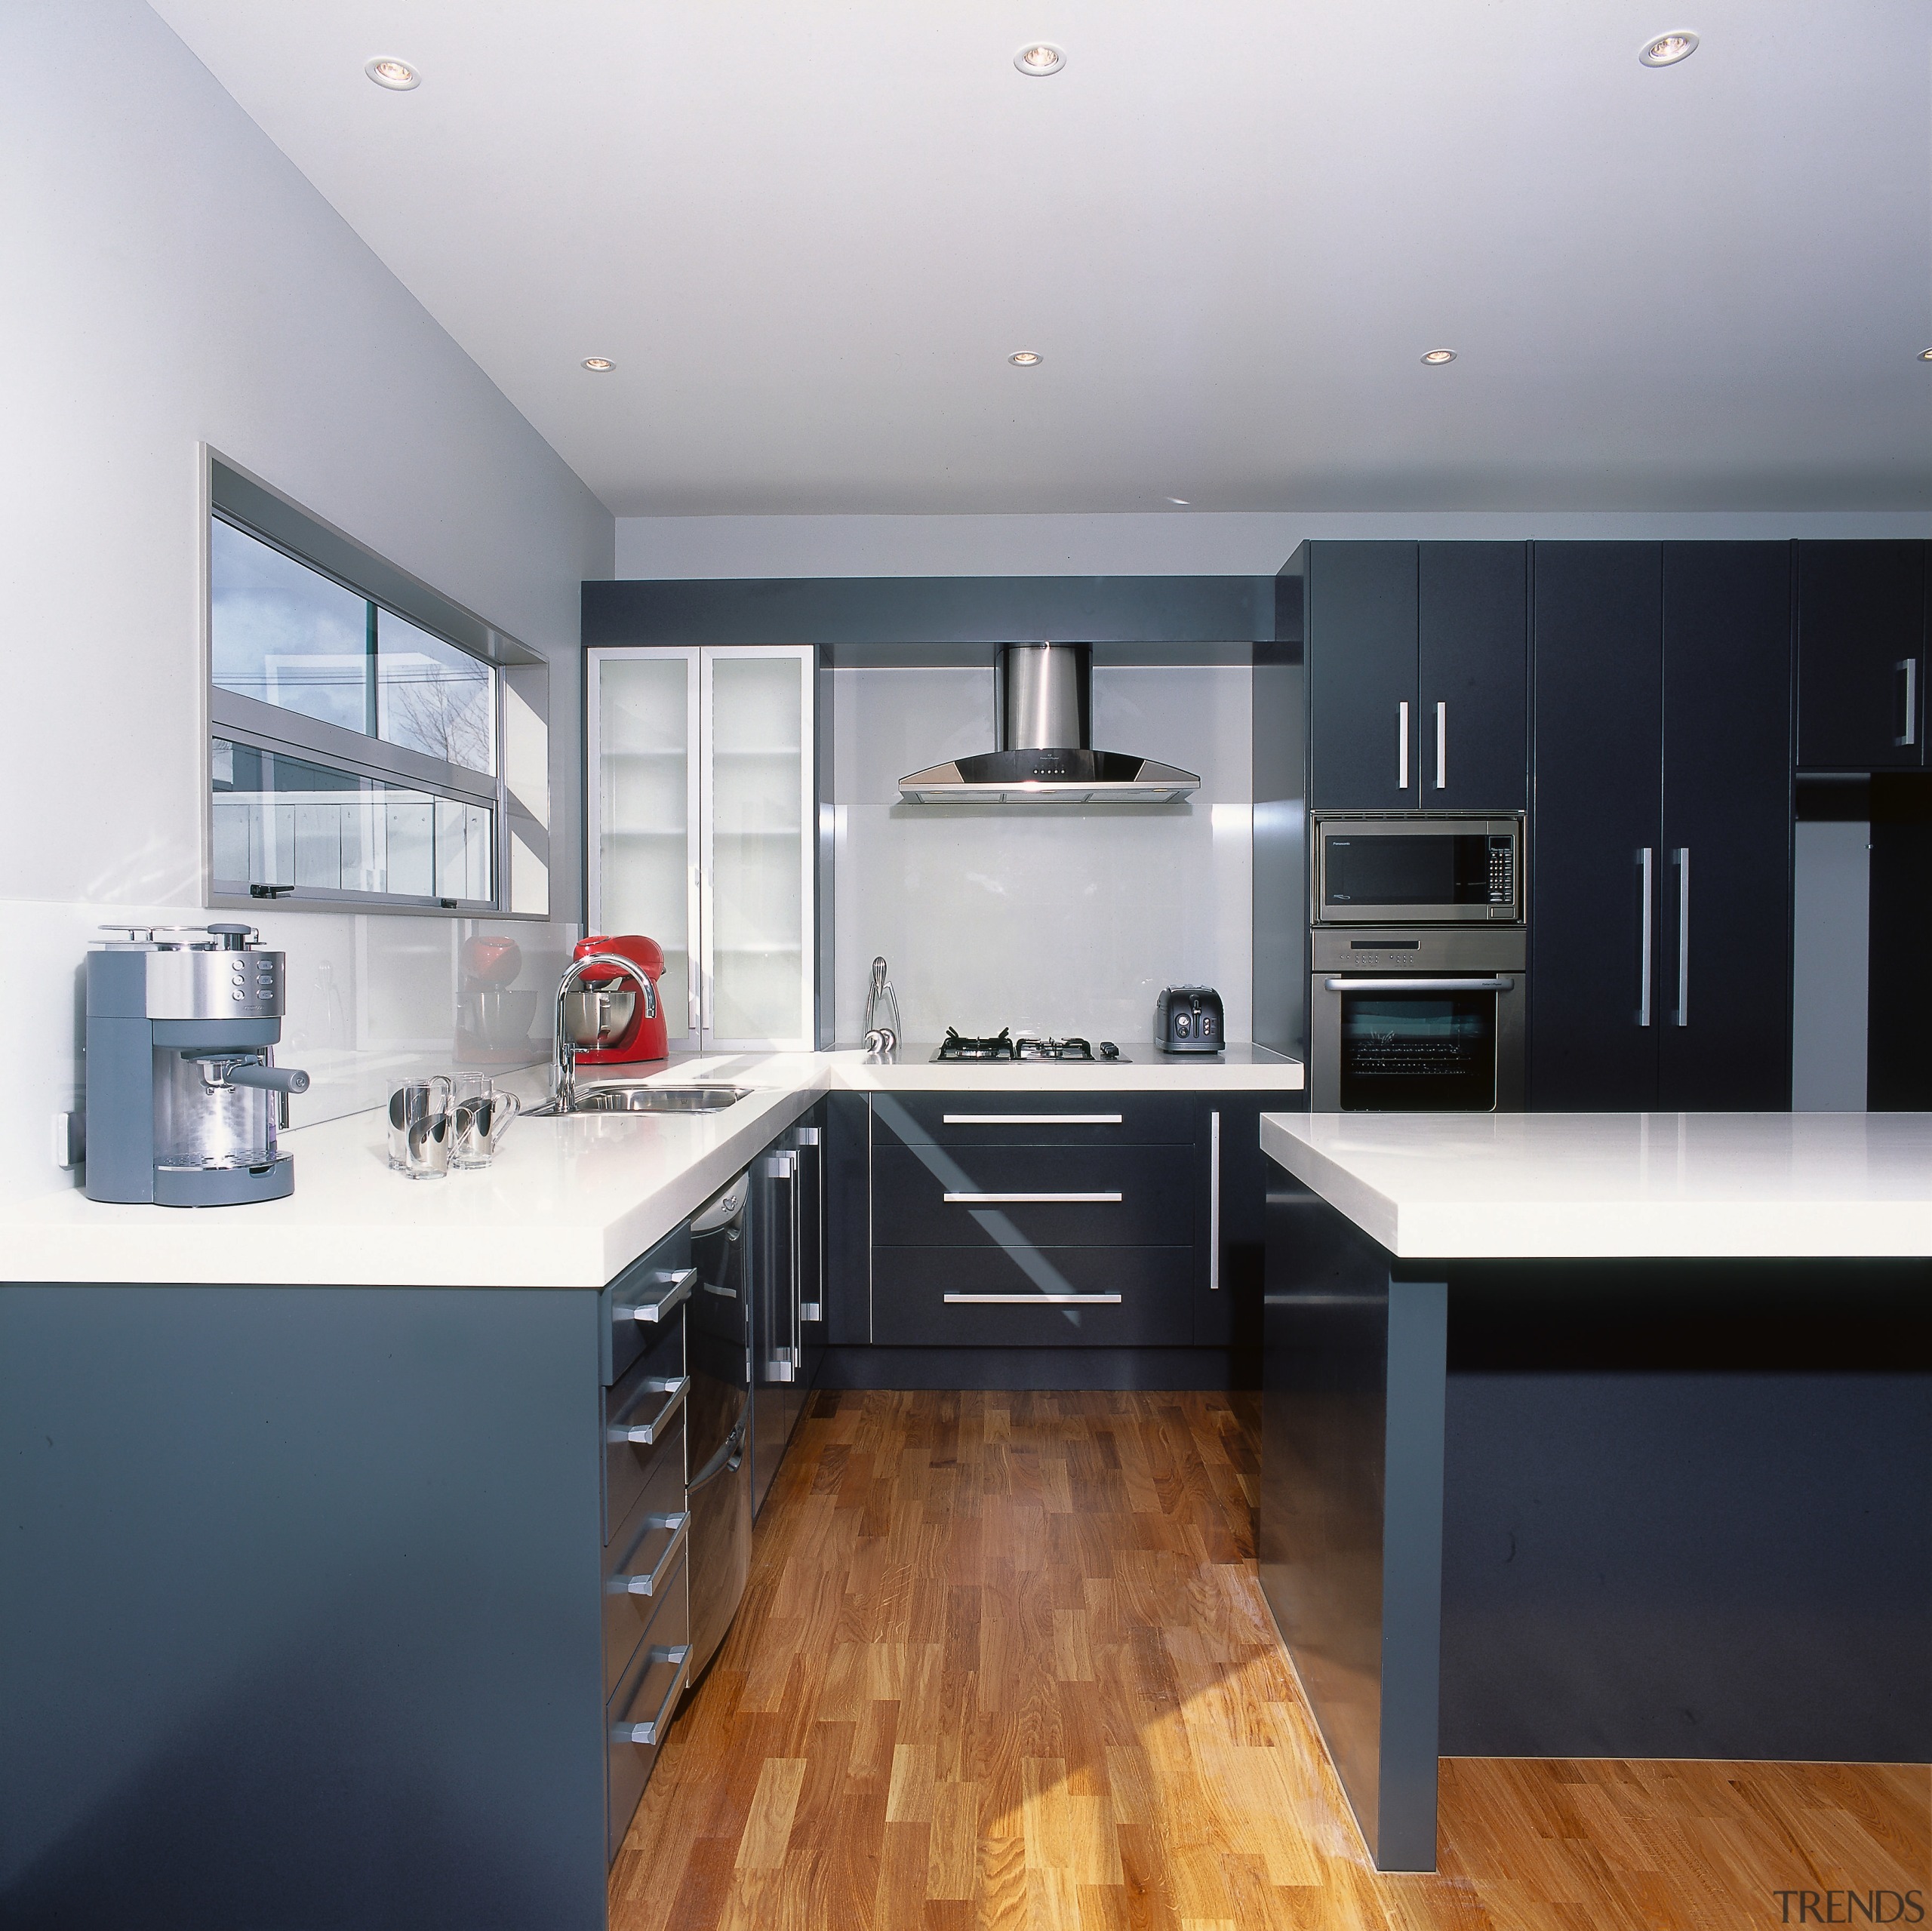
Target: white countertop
[(1620, 1185), (566, 1203), (1237, 1067)]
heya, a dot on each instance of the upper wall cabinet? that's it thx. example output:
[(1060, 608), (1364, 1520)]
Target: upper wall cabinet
[(1417, 658), (703, 802), (1861, 656)]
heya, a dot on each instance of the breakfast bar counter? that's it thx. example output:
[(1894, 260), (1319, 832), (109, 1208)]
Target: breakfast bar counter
[(1598, 1435)]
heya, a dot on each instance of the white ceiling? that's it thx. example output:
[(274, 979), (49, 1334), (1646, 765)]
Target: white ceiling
[(809, 235)]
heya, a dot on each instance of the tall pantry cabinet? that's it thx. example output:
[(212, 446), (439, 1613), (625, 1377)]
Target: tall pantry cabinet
[(702, 819)]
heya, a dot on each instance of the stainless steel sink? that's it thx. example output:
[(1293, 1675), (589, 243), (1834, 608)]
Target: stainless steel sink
[(627, 1096)]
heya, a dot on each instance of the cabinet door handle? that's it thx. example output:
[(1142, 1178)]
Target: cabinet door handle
[(1442, 744), (674, 1286), (1030, 1119), (982, 1199), (647, 1434), (1032, 1300), (1643, 942), (652, 1734), (1683, 857), (1908, 669), (1402, 745), (1213, 1202), (654, 1580)]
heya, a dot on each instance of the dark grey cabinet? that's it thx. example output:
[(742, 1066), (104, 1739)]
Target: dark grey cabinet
[(1362, 699), (1861, 656), (1660, 888), (1418, 663), (1473, 659), (410, 1614)]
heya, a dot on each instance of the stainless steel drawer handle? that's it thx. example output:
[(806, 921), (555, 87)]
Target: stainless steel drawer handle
[(650, 1584), (811, 1311), (674, 1286), (983, 1199), (1500, 983), (652, 1734), (1030, 1119), (1032, 1300), (723, 1292), (647, 1434)]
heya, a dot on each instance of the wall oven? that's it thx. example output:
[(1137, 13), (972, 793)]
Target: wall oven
[(1414, 868), (1417, 1020)]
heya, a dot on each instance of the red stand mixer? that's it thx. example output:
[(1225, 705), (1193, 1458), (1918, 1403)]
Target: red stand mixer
[(616, 1018)]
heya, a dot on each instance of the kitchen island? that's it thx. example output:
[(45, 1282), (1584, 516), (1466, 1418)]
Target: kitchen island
[(1598, 1435)]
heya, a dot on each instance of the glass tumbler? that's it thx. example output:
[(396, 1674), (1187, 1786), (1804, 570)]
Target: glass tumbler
[(421, 1128), (482, 1111)]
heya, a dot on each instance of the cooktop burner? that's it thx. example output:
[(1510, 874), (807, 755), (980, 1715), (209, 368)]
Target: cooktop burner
[(1004, 1045)]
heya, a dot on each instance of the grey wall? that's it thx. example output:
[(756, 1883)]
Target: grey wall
[(1830, 926), (1179, 542), (172, 280)]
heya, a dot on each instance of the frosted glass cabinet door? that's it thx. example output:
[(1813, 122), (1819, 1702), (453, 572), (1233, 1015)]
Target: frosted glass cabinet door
[(758, 812), (643, 709)]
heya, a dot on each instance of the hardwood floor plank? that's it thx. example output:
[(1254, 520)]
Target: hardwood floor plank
[(1004, 1664), (768, 1828)]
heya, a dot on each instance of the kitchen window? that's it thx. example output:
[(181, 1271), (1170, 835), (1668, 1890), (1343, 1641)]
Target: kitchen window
[(370, 743)]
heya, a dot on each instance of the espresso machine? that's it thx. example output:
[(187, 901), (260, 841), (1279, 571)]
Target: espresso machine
[(184, 1098)]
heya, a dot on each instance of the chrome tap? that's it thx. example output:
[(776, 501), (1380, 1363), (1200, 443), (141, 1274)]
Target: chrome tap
[(563, 1051)]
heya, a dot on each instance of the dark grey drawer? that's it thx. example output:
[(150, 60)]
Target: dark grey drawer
[(1058, 1196), (636, 1715), (932, 1297), (642, 1559), (642, 1287), (1033, 1118), (644, 1424)]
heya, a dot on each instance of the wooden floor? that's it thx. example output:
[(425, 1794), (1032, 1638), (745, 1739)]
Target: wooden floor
[(1004, 1661)]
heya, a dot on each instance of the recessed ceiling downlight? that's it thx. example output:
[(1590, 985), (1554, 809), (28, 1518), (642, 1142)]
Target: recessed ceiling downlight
[(1436, 358), (1668, 49), (1025, 358), (386, 71), (599, 365), (1925, 355), (1040, 57)]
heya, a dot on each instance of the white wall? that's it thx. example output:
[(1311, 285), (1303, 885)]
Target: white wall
[(172, 279), (1066, 920), (1181, 541)]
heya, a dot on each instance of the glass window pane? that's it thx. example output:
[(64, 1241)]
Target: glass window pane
[(285, 635), (281, 820), (433, 698)]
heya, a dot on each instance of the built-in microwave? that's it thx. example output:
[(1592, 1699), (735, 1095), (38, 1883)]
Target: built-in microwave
[(1416, 867)]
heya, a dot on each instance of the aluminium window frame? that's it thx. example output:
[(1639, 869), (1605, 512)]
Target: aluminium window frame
[(231, 495)]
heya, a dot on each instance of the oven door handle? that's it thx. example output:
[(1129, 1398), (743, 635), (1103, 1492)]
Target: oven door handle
[(1499, 984)]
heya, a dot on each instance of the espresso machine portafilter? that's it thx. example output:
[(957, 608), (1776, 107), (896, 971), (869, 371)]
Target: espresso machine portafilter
[(184, 1098)]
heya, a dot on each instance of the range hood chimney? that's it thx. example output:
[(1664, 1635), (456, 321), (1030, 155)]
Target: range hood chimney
[(1043, 714)]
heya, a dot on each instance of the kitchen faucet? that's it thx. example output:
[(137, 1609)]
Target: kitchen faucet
[(563, 1055)]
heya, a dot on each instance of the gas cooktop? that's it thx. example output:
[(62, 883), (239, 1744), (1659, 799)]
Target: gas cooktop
[(1006, 1045)]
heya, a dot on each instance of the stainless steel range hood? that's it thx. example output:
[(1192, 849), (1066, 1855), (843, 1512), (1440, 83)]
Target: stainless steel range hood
[(1043, 709)]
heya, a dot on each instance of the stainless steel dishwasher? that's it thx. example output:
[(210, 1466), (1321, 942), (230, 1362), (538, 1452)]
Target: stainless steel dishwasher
[(718, 1340)]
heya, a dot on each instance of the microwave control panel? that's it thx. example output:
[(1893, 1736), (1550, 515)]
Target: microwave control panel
[(1502, 872)]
